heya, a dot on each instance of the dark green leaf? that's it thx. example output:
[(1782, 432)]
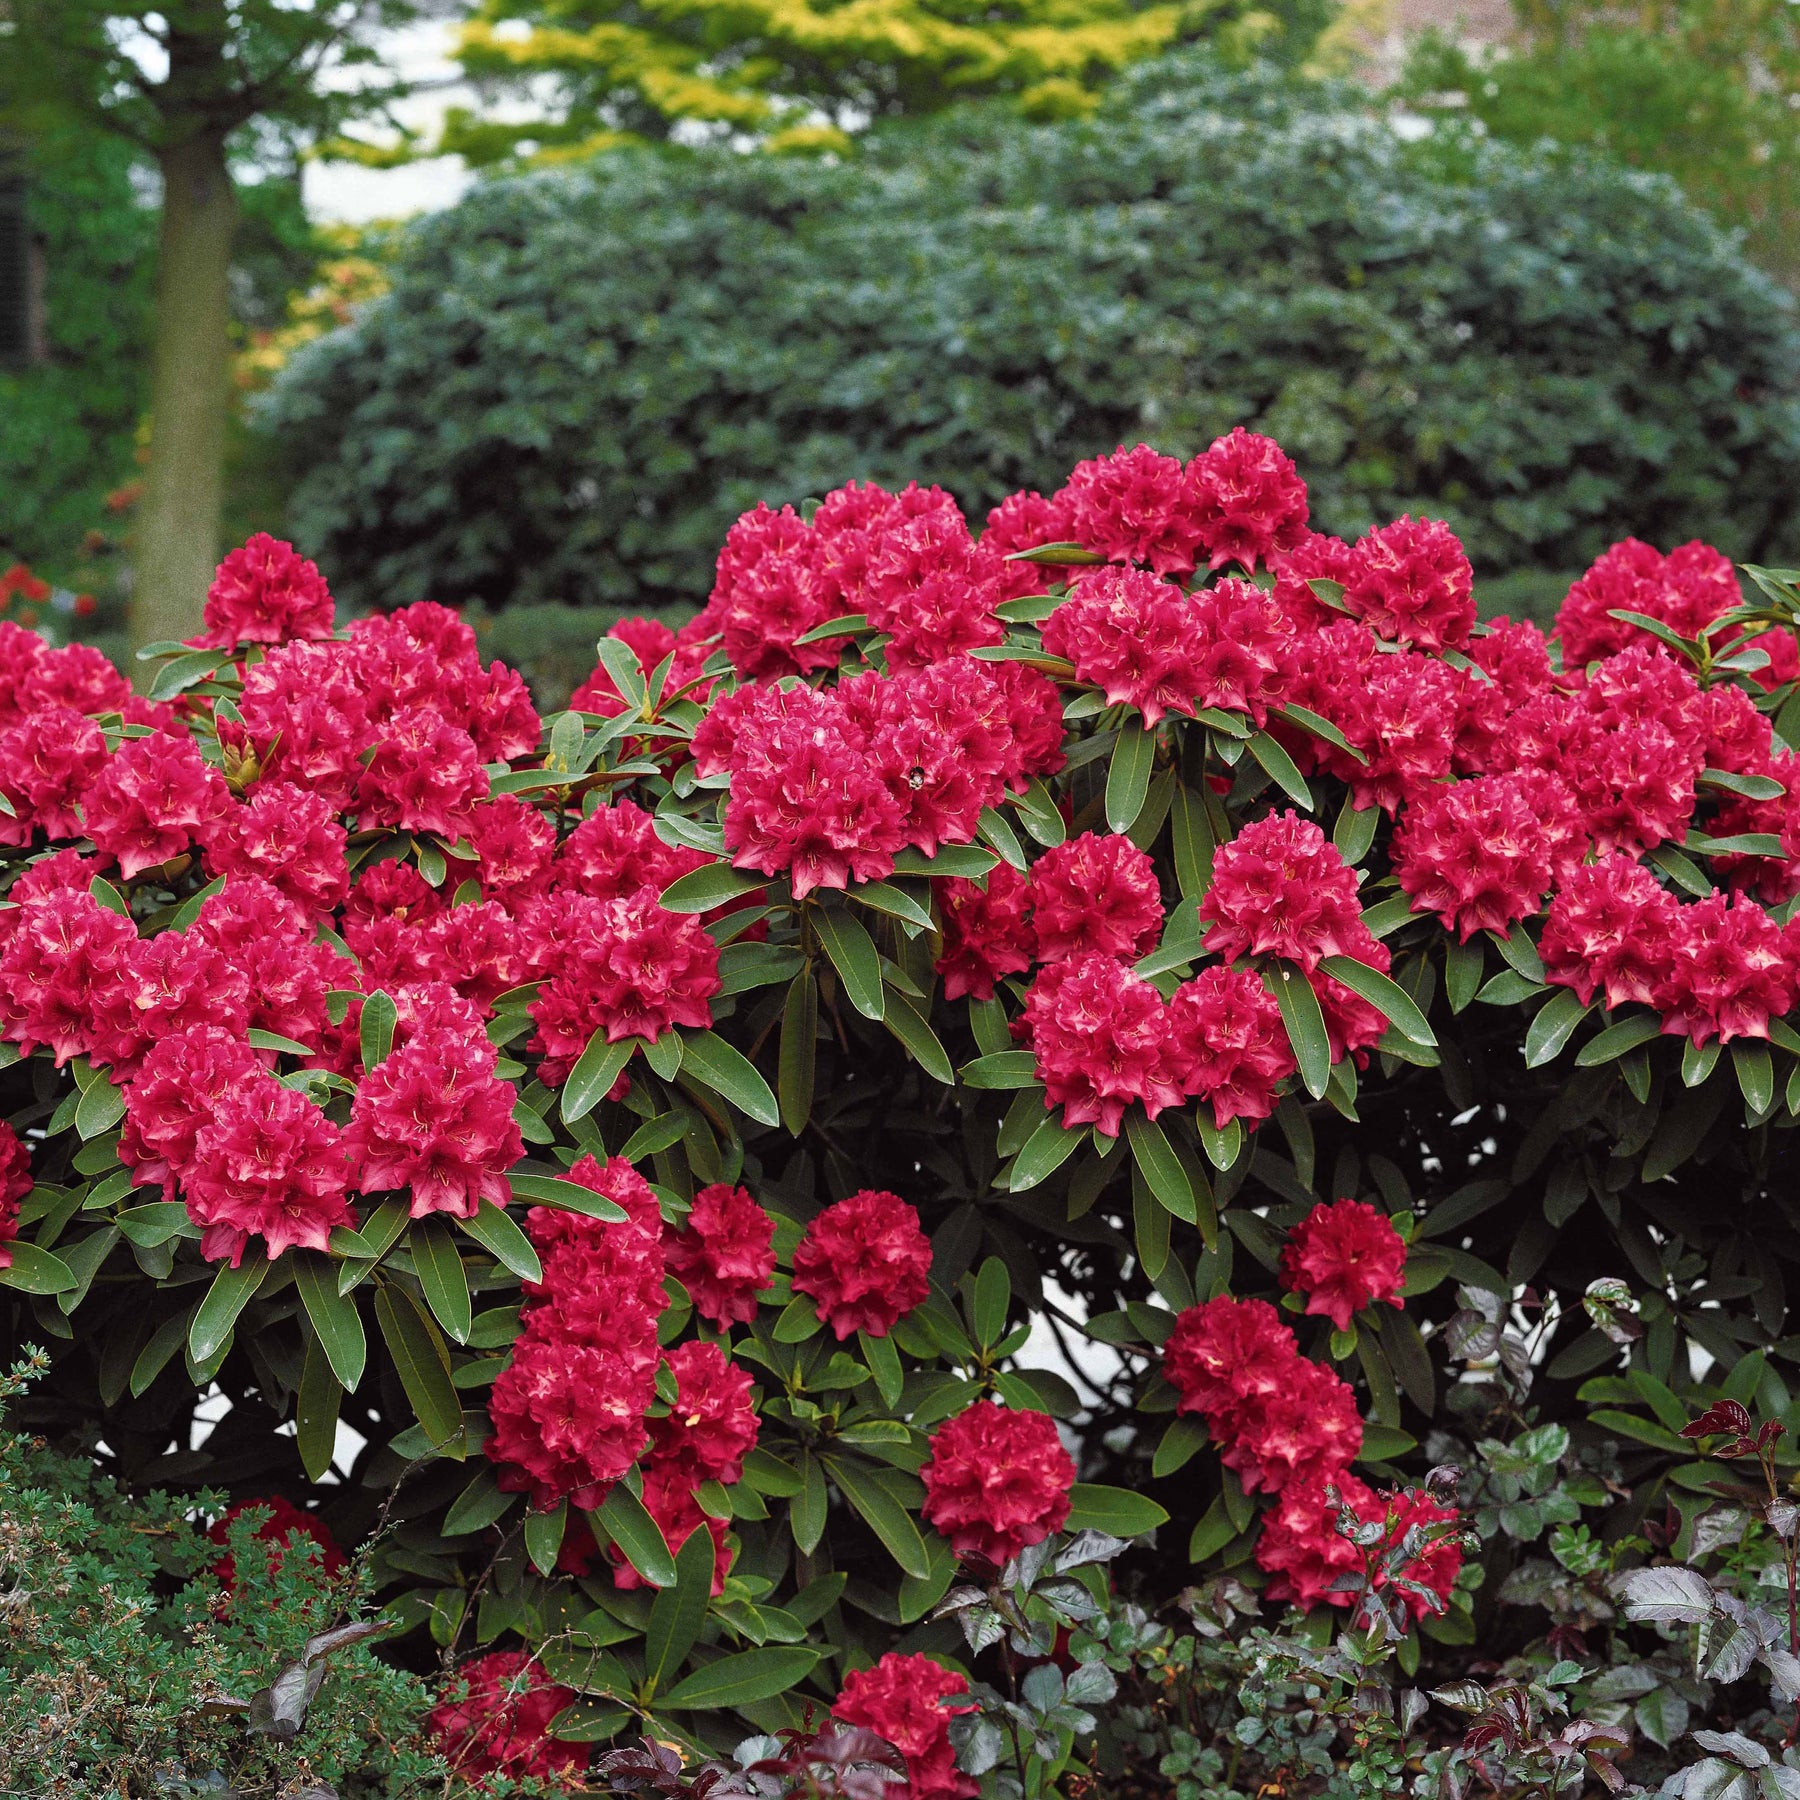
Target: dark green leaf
[(1387, 997), (229, 1294), (1159, 1165), (446, 1283), (1617, 1039), (379, 1018), (1551, 1027), (853, 955), (741, 1679), (571, 1196), (1117, 1511), (494, 1230), (423, 1365), (1128, 777), (595, 1073), (867, 1490), (1305, 1025), (34, 1270), (1280, 768), (1045, 1151), (700, 890), (316, 1413), (622, 1518), (717, 1065), (1005, 1069), (478, 1506), (906, 1021), (798, 1052), (679, 1610), (335, 1320)]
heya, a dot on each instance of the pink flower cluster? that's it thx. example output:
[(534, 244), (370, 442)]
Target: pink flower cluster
[(1288, 1426), (910, 1700), (498, 1718), (569, 1409), (996, 1481), (865, 1263)]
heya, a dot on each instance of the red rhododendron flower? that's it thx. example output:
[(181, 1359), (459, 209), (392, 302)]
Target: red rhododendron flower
[(1227, 1044), (769, 593), (435, 1119), (288, 837), (1476, 853), (425, 774), (806, 798), (986, 929), (624, 967), (497, 1721), (1095, 895), (1134, 507), (306, 716), (78, 676), (15, 1184), (932, 590), (1133, 636), (1303, 1549), (903, 1699), (996, 1481), (1101, 1038), (61, 964), (1405, 725), (515, 844), (155, 797), (1246, 500), (265, 592), (1280, 888), (711, 1424), (1411, 583), (1277, 1417), (48, 760), (724, 1255), (172, 1095), (1240, 649), (1343, 1256), (614, 852), (495, 709), (171, 983), (1610, 927), (267, 1162), (1729, 972), (866, 1263), (1313, 557), (938, 789), (479, 949), (1024, 521)]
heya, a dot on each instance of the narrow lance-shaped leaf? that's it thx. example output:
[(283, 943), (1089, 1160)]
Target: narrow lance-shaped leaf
[(1305, 1024)]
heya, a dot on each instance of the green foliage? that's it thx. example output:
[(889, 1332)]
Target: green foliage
[(801, 74), (1695, 89), (128, 1669), (67, 425), (1545, 350)]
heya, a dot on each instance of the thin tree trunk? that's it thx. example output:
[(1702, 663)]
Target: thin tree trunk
[(178, 529)]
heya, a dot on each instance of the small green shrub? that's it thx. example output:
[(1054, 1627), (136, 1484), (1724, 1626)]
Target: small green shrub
[(1549, 351), (130, 1665)]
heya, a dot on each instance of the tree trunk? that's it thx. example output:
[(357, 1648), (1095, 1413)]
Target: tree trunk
[(178, 529)]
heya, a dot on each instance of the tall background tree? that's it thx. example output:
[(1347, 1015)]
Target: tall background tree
[(807, 75), (204, 89)]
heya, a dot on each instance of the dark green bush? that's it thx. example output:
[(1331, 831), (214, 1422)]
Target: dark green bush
[(580, 378)]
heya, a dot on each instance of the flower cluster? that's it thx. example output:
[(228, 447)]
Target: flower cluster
[(1343, 1256), (723, 1255), (498, 1717), (904, 1699), (865, 1263), (569, 1408), (996, 1481)]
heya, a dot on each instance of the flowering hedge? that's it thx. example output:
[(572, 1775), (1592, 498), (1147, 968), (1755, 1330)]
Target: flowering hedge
[(641, 1163)]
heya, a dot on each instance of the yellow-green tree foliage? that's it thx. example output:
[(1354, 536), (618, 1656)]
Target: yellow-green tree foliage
[(805, 74)]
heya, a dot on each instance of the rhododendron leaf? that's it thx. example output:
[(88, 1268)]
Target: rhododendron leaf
[(844, 625), (622, 1518), (1755, 1073), (1744, 843), (1354, 830), (1223, 1144), (665, 1054), (1150, 1227), (967, 862), (798, 1321), (1508, 988), (1303, 718), (1617, 1039), (1060, 554), (1685, 648), (621, 663), (165, 1342), (1161, 1167), (987, 1296), (1117, 1511), (478, 1506), (1387, 997), (806, 1516), (1002, 1070), (883, 1360), (156, 1223), (708, 1059), (1381, 1443), (189, 910), (1029, 609), (741, 1679), (1463, 964), (441, 1274), (905, 1019), (379, 1018), (183, 672), (1752, 787), (109, 896), (35, 1270), (679, 1612), (656, 1134), (853, 954), (423, 1365), (1305, 1024), (571, 1196), (495, 1232), (1386, 917), (431, 862), (335, 1320), (885, 897), (1281, 769), (1552, 1026), (700, 890), (543, 1542), (1519, 950), (994, 828), (100, 1109), (1044, 1152), (596, 1071), (230, 1293), (316, 1413), (1128, 777), (1182, 1440), (872, 1493), (1040, 814), (797, 1053), (273, 1040)]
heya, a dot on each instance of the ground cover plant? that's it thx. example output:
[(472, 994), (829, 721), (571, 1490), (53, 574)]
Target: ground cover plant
[(1110, 1148)]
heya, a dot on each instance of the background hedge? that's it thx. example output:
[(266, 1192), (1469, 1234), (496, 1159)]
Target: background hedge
[(1547, 351)]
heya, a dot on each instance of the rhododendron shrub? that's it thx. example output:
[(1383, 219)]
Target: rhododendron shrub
[(1127, 1016)]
